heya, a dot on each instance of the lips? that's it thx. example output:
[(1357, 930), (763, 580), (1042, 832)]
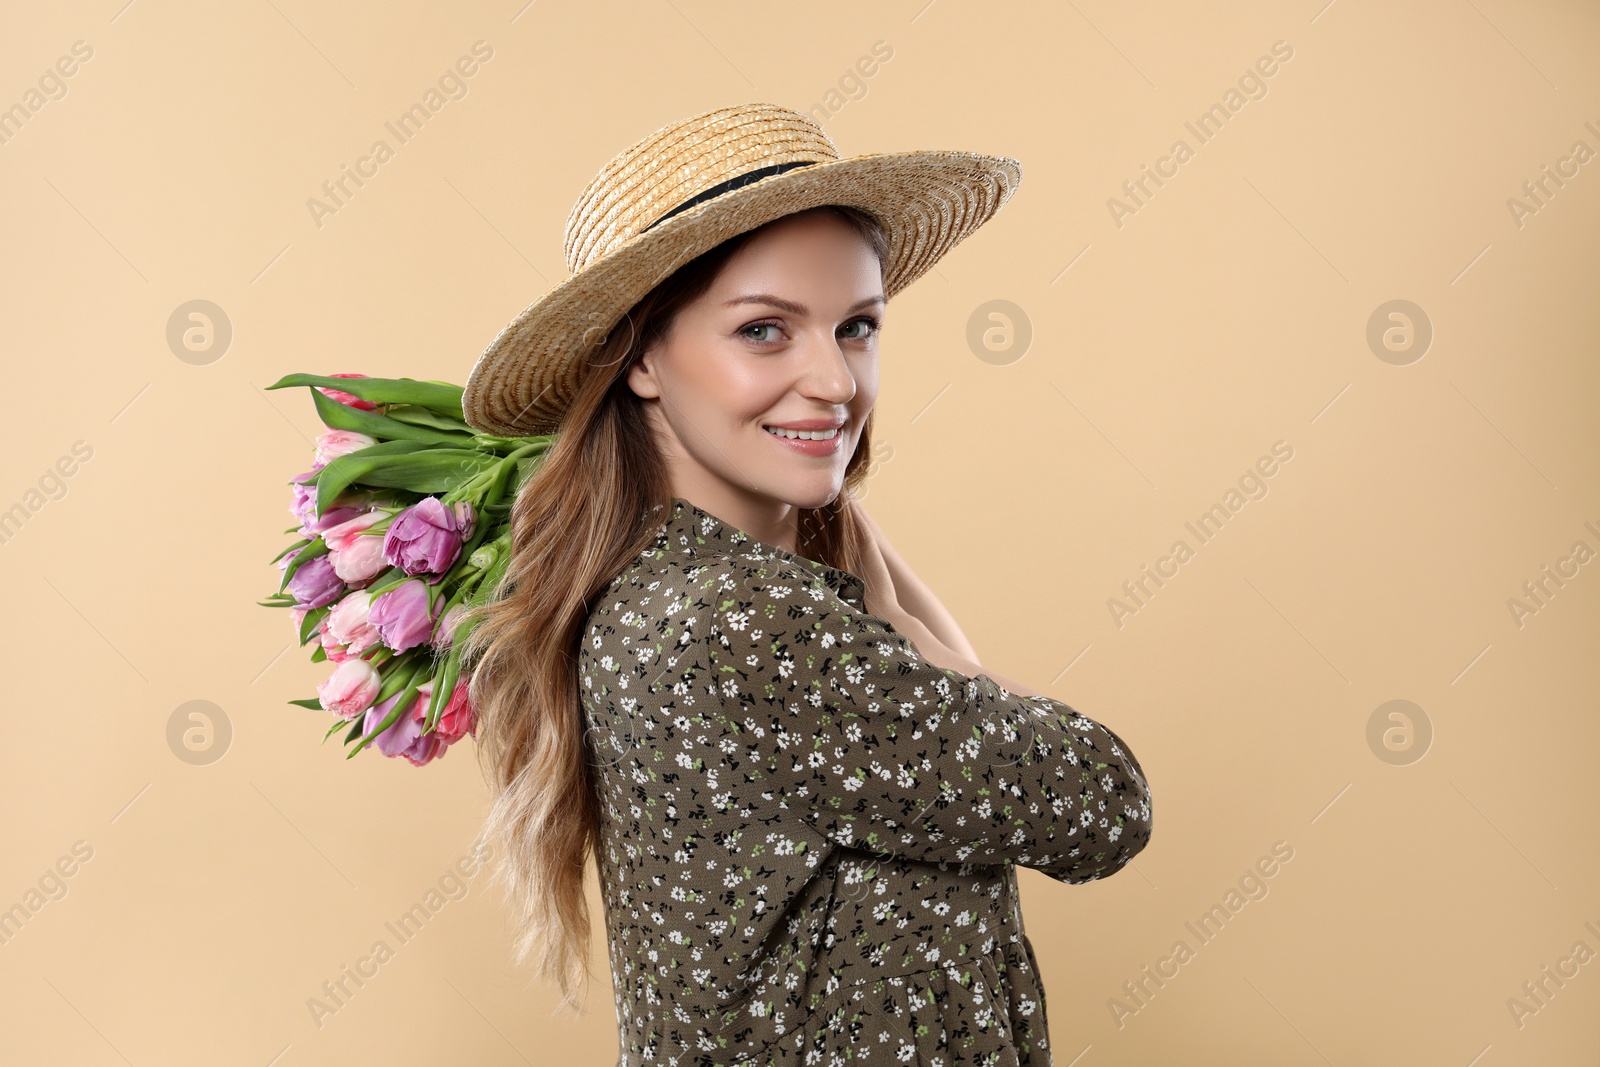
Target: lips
[(806, 424), (796, 434), (825, 442)]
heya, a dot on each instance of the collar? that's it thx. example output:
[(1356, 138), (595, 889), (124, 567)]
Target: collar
[(693, 529)]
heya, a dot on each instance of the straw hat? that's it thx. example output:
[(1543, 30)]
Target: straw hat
[(685, 189)]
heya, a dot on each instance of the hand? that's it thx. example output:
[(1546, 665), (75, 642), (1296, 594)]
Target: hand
[(880, 594), (911, 595)]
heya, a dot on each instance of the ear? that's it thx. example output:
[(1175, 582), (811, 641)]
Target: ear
[(642, 378)]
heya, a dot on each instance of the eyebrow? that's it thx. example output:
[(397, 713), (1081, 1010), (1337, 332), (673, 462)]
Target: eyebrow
[(793, 308)]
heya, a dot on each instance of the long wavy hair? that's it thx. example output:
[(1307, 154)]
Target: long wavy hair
[(576, 523)]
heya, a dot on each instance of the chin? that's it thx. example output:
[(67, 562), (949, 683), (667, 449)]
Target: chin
[(811, 496)]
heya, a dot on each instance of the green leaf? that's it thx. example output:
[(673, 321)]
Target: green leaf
[(418, 416), (465, 627), (309, 702), (444, 686), (303, 542), (435, 396), (388, 448), (310, 621), (337, 416), (430, 470), (401, 673), (526, 466), (386, 581)]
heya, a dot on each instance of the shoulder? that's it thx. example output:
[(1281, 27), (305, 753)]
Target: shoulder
[(717, 593), (779, 611), (724, 572), (705, 593)]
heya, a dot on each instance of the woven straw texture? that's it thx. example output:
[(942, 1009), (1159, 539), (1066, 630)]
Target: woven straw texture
[(619, 243)]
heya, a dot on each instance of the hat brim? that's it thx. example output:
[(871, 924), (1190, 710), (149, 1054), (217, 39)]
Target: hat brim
[(927, 202)]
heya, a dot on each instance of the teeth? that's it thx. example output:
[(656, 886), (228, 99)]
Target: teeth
[(805, 435)]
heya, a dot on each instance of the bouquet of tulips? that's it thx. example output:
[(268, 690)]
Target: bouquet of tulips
[(402, 526)]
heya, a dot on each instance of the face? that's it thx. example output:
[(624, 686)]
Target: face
[(787, 335)]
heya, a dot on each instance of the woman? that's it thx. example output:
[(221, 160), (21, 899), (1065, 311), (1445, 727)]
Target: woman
[(709, 669)]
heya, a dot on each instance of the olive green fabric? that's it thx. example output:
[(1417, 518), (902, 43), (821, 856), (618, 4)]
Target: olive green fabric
[(809, 833)]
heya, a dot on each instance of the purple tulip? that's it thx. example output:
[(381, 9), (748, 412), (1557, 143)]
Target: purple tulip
[(405, 737), (426, 537), (315, 584), (402, 615), (303, 506), (398, 737)]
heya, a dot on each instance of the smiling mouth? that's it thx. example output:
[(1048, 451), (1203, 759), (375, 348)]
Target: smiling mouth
[(805, 435)]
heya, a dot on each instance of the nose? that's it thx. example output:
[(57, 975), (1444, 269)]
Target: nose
[(825, 374)]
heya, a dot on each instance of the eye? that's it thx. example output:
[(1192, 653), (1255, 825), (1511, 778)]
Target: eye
[(873, 326), (758, 326)]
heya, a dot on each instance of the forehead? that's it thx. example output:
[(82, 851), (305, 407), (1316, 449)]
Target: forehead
[(817, 253)]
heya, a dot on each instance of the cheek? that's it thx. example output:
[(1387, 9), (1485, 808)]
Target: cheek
[(866, 391), (749, 389), (866, 372)]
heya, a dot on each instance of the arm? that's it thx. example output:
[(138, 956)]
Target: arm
[(913, 597), (938, 653), (853, 732), (889, 580)]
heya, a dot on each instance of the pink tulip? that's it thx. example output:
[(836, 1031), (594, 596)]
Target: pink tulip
[(357, 556), (336, 443), (350, 689), (346, 630), (459, 718)]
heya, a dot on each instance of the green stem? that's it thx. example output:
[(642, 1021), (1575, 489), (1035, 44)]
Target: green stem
[(443, 691), (492, 476), (403, 674), (497, 443), (407, 696)]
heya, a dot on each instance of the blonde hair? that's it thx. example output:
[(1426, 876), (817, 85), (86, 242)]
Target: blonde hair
[(577, 522)]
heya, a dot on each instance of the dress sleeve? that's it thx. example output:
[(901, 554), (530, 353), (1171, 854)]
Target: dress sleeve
[(877, 749)]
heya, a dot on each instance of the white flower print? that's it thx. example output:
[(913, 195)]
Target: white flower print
[(798, 802)]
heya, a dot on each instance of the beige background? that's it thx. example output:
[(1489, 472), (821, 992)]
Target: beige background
[(1167, 356)]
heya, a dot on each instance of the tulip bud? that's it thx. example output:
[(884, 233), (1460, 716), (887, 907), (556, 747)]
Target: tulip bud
[(335, 443), (350, 689), (483, 556)]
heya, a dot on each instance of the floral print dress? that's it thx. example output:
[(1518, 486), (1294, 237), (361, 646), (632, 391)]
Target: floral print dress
[(809, 834)]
